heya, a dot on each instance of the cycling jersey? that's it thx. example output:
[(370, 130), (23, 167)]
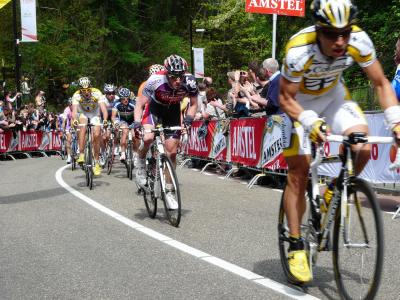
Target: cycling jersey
[(316, 72), (125, 112), (110, 106), (164, 106), (67, 116), (159, 91), (396, 82), (91, 107)]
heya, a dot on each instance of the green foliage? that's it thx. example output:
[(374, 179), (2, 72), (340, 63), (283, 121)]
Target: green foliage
[(116, 40)]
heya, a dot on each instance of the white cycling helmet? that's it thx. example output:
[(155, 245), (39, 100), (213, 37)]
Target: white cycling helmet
[(334, 13), (84, 82), (109, 88), (155, 69)]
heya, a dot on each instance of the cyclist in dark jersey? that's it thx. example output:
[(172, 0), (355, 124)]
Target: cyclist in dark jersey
[(162, 96), (122, 117)]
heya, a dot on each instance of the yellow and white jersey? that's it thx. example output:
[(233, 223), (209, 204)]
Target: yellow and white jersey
[(89, 107), (316, 72)]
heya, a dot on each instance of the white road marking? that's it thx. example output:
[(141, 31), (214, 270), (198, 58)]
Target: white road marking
[(246, 274)]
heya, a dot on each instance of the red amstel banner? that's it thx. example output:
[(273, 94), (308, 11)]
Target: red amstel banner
[(56, 140), (280, 7), (29, 140), (5, 139), (199, 146), (246, 137)]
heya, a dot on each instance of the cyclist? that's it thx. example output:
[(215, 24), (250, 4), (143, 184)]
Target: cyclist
[(66, 117), (109, 91), (87, 102), (311, 87), (122, 117), (163, 94)]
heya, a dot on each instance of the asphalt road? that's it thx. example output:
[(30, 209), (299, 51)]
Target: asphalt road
[(58, 240)]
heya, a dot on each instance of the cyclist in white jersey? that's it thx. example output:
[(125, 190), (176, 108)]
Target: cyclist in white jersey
[(312, 92), (87, 102)]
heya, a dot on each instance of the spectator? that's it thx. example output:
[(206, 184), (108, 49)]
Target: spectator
[(215, 107), (201, 101), (262, 81), (237, 94), (271, 67), (26, 90), (10, 99), (396, 79), (253, 69), (40, 101), (207, 81)]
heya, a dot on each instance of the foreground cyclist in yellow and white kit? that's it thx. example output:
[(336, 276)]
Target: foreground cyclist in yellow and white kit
[(312, 88), (87, 103)]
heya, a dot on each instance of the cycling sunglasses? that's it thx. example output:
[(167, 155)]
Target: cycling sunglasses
[(333, 35), (175, 76), (110, 93)]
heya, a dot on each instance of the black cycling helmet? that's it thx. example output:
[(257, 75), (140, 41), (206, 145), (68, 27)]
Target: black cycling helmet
[(174, 64), (124, 92), (334, 13)]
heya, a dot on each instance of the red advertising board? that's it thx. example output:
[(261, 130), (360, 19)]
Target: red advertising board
[(246, 137), (280, 7), (196, 146), (5, 139)]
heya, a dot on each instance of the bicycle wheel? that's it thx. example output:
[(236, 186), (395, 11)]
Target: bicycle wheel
[(73, 154), (283, 234), (167, 170), (148, 193), (358, 265), (110, 156), (129, 160)]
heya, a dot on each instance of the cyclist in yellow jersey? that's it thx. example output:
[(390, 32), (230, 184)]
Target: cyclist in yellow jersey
[(312, 92), (87, 102)]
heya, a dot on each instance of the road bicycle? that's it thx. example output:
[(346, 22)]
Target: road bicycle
[(89, 159), (351, 228), (129, 161), (110, 147), (159, 170), (74, 148)]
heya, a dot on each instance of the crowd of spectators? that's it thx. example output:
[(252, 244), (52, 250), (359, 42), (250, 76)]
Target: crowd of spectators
[(16, 115), (253, 92)]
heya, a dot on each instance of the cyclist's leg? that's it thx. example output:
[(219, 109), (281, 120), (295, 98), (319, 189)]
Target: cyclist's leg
[(297, 156), (82, 119), (345, 117), (96, 135), (124, 138)]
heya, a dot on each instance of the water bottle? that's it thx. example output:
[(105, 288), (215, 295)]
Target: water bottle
[(326, 199)]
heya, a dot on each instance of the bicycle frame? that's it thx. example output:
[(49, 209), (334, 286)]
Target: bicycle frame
[(347, 171)]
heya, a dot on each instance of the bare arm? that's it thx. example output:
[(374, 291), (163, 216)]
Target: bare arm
[(193, 106), (140, 103), (287, 93), (383, 87), (74, 111), (103, 108), (113, 115)]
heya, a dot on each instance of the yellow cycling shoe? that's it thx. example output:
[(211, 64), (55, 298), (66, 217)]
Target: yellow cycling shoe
[(298, 266), (81, 158), (97, 169)]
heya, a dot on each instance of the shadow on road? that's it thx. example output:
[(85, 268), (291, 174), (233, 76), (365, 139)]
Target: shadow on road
[(323, 278), (16, 198)]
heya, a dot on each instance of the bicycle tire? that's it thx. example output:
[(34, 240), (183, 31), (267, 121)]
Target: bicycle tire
[(129, 161), (110, 156), (367, 215), (86, 165), (63, 152), (149, 198), (73, 155), (283, 234), (173, 216)]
